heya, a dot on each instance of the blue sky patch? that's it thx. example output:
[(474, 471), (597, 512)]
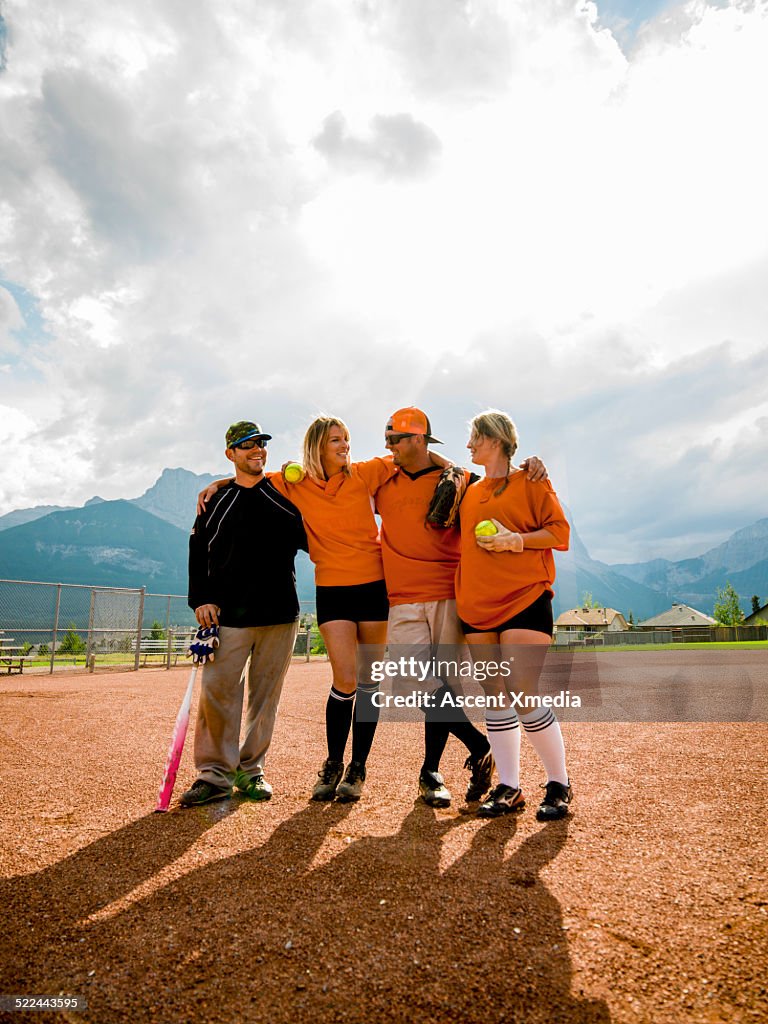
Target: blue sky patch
[(3, 41), (35, 328), (624, 17)]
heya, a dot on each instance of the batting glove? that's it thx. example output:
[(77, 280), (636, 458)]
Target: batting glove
[(504, 540), (202, 648)]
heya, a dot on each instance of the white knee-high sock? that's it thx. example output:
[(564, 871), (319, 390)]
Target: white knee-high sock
[(504, 737), (543, 730)]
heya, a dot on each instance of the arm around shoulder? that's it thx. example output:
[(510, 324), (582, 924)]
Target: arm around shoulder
[(375, 472), (210, 492), (552, 517)]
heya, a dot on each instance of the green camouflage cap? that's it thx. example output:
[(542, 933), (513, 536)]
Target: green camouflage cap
[(244, 430)]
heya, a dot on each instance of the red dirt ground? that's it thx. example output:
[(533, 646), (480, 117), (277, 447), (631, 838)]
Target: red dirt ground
[(648, 904)]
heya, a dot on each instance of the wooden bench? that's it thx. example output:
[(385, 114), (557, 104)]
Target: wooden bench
[(11, 658), (160, 648)]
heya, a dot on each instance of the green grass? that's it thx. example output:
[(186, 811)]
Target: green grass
[(126, 658), (751, 645)]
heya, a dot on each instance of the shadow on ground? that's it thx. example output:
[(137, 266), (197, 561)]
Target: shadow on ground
[(314, 925)]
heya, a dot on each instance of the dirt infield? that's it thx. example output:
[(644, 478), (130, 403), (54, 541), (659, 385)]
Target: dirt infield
[(648, 904)]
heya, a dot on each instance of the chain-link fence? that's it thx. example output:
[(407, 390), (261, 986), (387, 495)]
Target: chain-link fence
[(46, 627)]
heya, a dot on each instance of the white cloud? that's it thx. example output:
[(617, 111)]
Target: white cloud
[(396, 145), (269, 210)]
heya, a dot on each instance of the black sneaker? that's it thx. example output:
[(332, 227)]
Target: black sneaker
[(482, 772), (256, 788), (328, 779), (202, 792), (432, 789), (503, 800), (554, 806), (351, 788)]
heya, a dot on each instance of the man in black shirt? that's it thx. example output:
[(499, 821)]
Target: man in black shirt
[(242, 580)]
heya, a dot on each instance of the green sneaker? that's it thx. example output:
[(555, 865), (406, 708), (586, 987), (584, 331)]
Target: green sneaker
[(351, 788), (202, 792), (255, 788)]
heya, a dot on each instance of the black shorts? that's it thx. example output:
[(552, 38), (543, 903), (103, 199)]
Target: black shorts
[(363, 602), (537, 617)]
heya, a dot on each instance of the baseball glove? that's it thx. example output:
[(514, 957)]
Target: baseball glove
[(449, 490)]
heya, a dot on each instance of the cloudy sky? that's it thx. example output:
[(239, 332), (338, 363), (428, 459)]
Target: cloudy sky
[(215, 211)]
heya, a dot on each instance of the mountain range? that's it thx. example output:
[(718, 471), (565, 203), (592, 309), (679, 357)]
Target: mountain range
[(140, 542), (742, 560), (143, 542)]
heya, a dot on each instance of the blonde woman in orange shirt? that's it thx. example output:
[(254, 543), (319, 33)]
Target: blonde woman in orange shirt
[(335, 500), (352, 607), (504, 602)]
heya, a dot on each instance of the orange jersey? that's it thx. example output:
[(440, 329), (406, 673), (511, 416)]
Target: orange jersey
[(338, 517), (492, 586), (419, 560)]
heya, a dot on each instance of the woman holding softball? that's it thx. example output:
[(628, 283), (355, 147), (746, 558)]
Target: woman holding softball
[(334, 497), (504, 602)]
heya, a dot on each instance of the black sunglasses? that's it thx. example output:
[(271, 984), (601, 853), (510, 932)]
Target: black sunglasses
[(396, 438), (252, 442)]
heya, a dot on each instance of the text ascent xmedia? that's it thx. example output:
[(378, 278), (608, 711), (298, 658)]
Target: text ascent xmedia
[(448, 699)]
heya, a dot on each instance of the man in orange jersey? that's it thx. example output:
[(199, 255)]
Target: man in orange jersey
[(419, 568)]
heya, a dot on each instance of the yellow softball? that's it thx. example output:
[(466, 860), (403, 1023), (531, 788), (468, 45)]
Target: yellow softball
[(485, 529)]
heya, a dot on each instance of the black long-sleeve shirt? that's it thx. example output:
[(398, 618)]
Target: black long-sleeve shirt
[(241, 556)]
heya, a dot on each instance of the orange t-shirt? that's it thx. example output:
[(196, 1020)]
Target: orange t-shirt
[(492, 586), (419, 560), (338, 517)]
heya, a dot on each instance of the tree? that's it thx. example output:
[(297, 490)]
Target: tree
[(156, 631), (587, 601), (727, 608), (72, 642), (43, 651), (755, 604), (318, 645), (631, 619)]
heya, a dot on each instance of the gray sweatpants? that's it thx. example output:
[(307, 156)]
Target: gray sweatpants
[(218, 752)]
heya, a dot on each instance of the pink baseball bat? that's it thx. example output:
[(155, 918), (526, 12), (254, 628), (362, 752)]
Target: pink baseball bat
[(176, 747)]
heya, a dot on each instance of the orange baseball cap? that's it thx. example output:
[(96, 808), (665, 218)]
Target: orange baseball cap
[(412, 421)]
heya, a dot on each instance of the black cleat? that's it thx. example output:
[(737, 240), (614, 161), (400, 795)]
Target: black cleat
[(503, 800), (328, 779), (432, 789), (202, 792), (351, 787), (482, 772), (555, 803)]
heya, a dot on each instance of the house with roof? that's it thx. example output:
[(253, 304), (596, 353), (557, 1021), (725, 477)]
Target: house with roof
[(761, 613), (590, 620), (677, 615)]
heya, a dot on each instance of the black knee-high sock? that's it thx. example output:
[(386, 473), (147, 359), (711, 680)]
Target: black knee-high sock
[(338, 718), (364, 723), (435, 738), (457, 723)]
